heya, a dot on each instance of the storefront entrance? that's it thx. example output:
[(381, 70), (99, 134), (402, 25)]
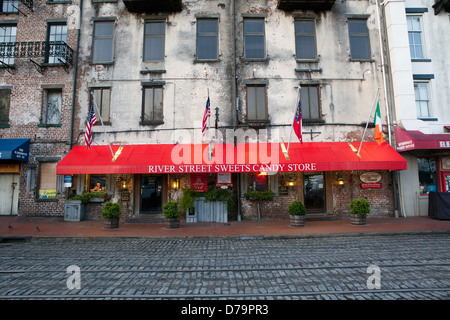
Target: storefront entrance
[(314, 192), (151, 194), (9, 194)]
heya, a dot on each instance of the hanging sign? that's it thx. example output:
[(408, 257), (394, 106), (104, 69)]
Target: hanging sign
[(199, 182), (370, 177), (224, 178)]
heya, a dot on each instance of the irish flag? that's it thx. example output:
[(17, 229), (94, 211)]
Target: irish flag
[(378, 130)]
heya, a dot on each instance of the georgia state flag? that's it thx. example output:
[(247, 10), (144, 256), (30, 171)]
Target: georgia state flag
[(298, 122)]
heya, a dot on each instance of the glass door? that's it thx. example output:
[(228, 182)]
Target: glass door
[(151, 193), (314, 192)]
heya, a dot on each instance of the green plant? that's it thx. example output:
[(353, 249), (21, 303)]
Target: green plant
[(360, 207), (170, 210), (297, 208), (86, 196), (111, 210), (187, 200), (259, 195), (220, 195)]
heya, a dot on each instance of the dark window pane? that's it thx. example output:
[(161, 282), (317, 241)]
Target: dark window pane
[(154, 49), (359, 39), (207, 26), (254, 47), (207, 39), (4, 106), (103, 29)]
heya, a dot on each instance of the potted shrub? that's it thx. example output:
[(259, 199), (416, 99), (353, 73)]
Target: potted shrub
[(359, 208), (171, 215), (297, 213), (111, 213), (187, 201)]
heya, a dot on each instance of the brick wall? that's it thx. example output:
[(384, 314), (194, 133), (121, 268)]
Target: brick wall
[(29, 84)]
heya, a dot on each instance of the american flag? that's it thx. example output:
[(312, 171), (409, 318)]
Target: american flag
[(92, 120), (206, 116), (298, 121)]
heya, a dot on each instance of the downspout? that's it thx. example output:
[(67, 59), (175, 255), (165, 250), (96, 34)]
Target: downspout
[(75, 75), (236, 107), (398, 194)]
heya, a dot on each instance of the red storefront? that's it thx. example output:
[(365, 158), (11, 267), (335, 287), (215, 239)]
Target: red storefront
[(327, 171)]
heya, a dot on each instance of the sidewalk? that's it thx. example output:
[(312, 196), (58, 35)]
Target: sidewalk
[(13, 226)]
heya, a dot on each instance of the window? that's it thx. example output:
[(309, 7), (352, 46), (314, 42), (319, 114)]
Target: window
[(9, 5), (5, 96), (422, 99), (103, 100), (415, 36), (207, 39), (47, 180), (305, 40), (97, 183), (103, 42), (152, 105), (359, 39), (254, 38), (256, 103), (309, 96), (52, 107), (427, 175), (57, 40), (7, 43), (154, 41), (258, 182)]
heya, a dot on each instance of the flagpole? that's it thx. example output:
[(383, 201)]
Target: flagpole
[(367, 124), (292, 126), (101, 121)]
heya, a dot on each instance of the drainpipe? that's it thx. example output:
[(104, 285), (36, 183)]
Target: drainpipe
[(236, 106), (75, 74)]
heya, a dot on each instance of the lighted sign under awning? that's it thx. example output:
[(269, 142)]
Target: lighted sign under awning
[(249, 157)]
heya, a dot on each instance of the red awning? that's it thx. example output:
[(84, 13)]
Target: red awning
[(249, 157), (414, 139)]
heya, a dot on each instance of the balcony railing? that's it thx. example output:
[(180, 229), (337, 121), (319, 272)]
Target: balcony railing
[(316, 5), (10, 6), (152, 6), (53, 52)]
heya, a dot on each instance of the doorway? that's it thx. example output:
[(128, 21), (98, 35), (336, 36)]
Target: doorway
[(9, 194), (151, 194), (314, 192)]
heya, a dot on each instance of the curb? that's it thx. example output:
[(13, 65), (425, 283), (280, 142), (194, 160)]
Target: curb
[(17, 239)]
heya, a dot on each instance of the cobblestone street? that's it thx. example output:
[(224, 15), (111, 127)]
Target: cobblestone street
[(410, 267)]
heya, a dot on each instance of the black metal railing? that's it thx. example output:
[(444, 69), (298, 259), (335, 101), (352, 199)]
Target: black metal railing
[(53, 52), (28, 4)]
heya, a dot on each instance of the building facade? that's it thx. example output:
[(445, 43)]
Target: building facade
[(418, 47), (37, 56), (148, 69)]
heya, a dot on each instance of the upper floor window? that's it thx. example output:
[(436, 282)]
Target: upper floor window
[(102, 98), (7, 43), (207, 39), (309, 96), (154, 34), (256, 103), (254, 38), (359, 39), (57, 40), (5, 97), (415, 36), (103, 42), (52, 108), (305, 40), (422, 99), (152, 105), (9, 6)]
